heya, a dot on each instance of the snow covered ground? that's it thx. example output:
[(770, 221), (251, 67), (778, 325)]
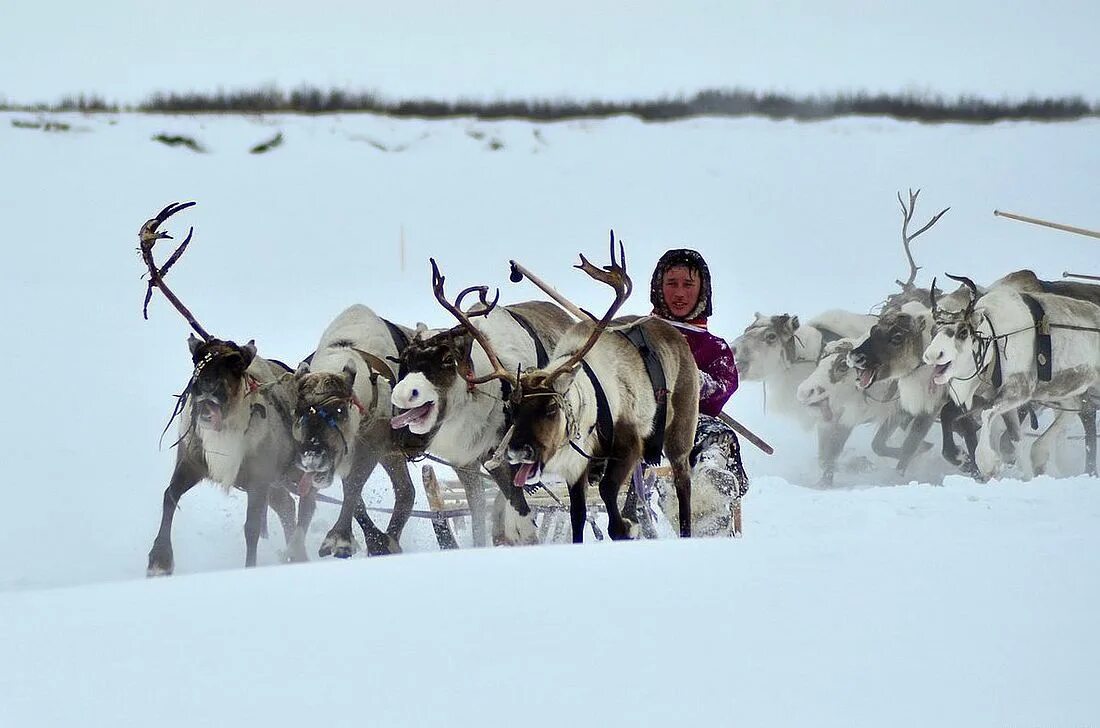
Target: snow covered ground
[(878, 603)]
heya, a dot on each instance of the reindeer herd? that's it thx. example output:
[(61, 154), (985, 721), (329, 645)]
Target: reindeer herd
[(519, 390), (985, 362), (524, 390)]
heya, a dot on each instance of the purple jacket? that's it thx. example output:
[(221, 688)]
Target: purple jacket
[(717, 370)]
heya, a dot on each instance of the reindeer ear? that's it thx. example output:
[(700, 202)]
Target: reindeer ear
[(193, 343), (465, 345), (248, 352), (922, 323), (794, 323), (348, 374), (302, 370), (421, 329)]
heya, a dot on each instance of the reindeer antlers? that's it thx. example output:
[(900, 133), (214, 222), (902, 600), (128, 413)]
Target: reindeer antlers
[(974, 295), (613, 275), (499, 372), (148, 237), (906, 238)]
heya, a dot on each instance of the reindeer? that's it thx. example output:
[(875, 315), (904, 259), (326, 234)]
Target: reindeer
[(234, 425), (993, 341), (341, 425), (832, 392), (781, 353), (588, 413), (892, 352), (463, 422)]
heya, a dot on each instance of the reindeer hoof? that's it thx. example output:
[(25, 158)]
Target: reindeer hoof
[(340, 545), (155, 570), (160, 563), (296, 555), (512, 529), (383, 547)]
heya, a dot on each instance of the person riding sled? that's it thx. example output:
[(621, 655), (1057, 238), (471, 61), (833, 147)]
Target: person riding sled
[(680, 292)]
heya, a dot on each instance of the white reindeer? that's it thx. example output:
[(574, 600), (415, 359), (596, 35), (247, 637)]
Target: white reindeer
[(998, 331)]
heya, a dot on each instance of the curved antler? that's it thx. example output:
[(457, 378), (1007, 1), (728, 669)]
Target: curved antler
[(499, 371), (932, 293), (907, 239), (974, 295), (613, 275), (148, 237), (483, 294)]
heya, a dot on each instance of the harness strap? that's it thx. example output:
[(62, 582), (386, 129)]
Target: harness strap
[(997, 377), (400, 339), (605, 426), (541, 357), (1043, 347), (655, 443)]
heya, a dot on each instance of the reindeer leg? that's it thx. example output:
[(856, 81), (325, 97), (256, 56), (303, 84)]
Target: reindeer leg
[(1088, 419), (578, 507), (681, 479), (1013, 393), (513, 521), (474, 486), (949, 419), (184, 477), (283, 504), (617, 475), (880, 444), (918, 428), (307, 506), (1040, 449), (403, 495), (968, 427), (255, 522), (339, 541), (831, 439)]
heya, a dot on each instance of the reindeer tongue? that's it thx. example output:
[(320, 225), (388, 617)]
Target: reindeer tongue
[(305, 484), (523, 473), (866, 377), (408, 416)]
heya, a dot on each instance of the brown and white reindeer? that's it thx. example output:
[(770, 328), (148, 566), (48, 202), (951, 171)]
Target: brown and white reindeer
[(234, 425), (892, 353), (341, 425), (439, 397), (996, 341), (588, 413)]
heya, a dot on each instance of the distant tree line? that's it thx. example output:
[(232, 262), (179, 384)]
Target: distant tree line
[(312, 100)]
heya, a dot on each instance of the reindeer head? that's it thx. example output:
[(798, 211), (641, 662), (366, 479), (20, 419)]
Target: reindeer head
[(893, 348), (538, 403), (832, 374), (220, 379), (768, 345), (954, 352), (327, 415), (435, 369)]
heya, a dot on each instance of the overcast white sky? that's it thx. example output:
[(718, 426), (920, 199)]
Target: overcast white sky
[(125, 49)]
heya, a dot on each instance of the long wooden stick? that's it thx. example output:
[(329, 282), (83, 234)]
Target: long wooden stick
[(1047, 223), (518, 274), (1082, 276), (746, 433)]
